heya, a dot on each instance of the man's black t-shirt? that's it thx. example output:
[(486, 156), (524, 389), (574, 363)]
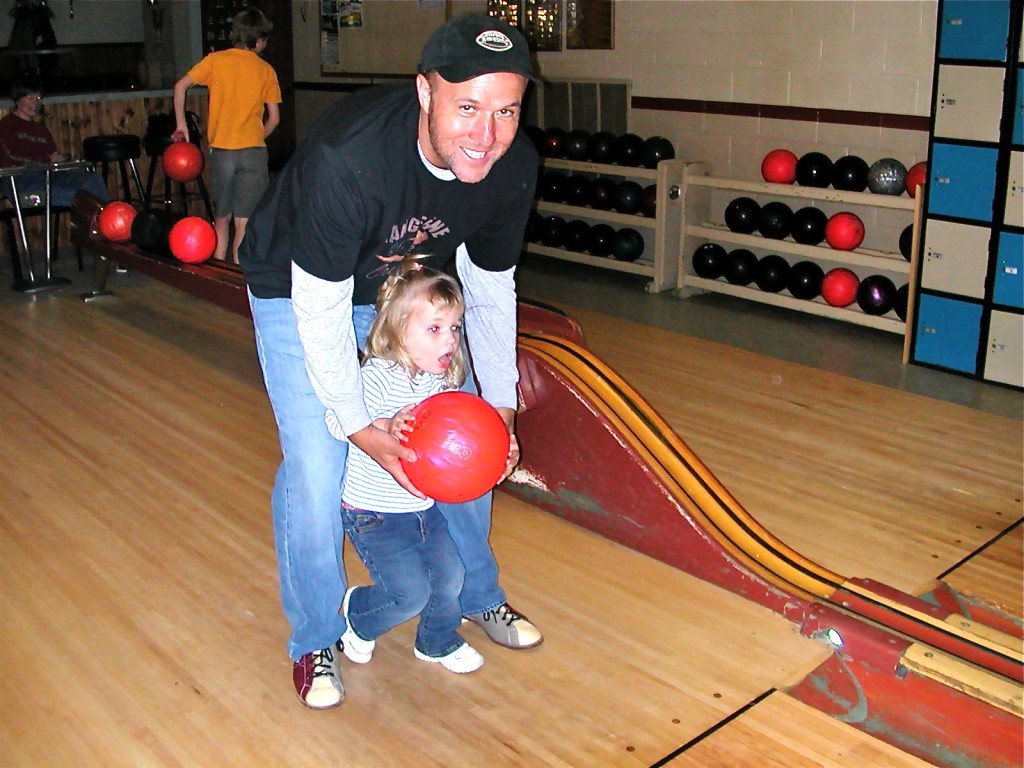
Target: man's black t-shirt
[(356, 197)]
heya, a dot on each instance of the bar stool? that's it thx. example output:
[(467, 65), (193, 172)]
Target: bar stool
[(121, 148), (158, 139)]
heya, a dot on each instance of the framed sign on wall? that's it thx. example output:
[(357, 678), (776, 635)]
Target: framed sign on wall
[(554, 25)]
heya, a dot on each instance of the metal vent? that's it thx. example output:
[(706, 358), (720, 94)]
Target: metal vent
[(590, 105)]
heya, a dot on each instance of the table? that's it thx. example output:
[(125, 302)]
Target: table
[(32, 283)]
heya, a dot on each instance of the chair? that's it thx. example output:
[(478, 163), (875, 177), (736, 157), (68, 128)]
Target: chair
[(156, 140), (9, 215), (123, 149)]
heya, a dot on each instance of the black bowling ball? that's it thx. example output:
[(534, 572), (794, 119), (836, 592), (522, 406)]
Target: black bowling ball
[(907, 241), (628, 149), (533, 227), (600, 148), (552, 231), (536, 135), (656, 149), (602, 193), (741, 215), (576, 235), (151, 228), (804, 280), (709, 261), (600, 240), (850, 174), (576, 145), (627, 245), (775, 221), (649, 201), (740, 267), (553, 143), (814, 170), (772, 273), (876, 295), (808, 225), (577, 190), (627, 197), (552, 186), (900, 304)]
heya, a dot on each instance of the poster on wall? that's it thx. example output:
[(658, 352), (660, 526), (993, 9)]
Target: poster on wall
[(360, 37), (328, 33), (350, 14), (589, 25)]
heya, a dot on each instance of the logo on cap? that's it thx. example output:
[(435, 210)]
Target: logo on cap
[(493, 40)]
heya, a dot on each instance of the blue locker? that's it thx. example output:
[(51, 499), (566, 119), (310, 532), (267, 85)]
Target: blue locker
[(962, 181), (974, 29), (1008, 288), (948, 333)]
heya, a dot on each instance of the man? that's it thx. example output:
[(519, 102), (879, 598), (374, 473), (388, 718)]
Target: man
[(25, 140), (425, 172)]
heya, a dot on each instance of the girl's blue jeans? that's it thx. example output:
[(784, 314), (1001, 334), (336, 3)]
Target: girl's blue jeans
[(306, 499), (416, 571)]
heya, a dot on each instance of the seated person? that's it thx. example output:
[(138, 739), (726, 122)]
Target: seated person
[(25, 139)]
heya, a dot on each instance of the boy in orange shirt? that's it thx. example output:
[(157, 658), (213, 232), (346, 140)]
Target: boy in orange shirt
[(244, 111)]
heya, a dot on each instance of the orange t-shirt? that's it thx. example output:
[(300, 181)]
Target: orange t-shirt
[(240, 83)]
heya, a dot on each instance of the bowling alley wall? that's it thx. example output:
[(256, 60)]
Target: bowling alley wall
[(727, 82)]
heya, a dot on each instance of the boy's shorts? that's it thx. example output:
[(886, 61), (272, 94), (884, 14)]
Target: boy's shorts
[(239, 178)]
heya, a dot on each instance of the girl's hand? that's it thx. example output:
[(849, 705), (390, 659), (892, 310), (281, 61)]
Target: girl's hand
[(400, 425)]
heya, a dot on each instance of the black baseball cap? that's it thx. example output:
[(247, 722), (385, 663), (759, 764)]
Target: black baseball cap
[(471, 45)]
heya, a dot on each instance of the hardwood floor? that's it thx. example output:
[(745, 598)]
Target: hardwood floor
[(139, 606)]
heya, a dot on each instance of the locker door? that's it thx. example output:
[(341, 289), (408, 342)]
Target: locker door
[(974, 30), (1008, 288), (1015, 191), (962, 181), (969, 102), (948, 333), (955, 258), (1004, 358)]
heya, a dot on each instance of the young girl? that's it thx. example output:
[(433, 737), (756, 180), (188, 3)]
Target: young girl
[(413, 351)]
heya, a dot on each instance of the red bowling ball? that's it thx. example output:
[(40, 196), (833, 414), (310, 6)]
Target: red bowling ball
[(839, 287), (918, 174), (844, 231), (183, 161), (192, 240), (461, 444), (115, 221), (779, 167)]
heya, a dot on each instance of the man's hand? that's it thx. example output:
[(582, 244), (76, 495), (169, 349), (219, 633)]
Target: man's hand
[(388, 452), (509, 416)]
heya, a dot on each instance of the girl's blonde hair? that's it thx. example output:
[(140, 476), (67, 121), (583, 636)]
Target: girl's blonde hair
[(411, 283)]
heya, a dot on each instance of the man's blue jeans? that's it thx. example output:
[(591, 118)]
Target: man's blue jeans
[(416, 571), (306, 499)]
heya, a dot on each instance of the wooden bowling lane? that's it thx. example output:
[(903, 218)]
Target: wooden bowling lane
[(866, 480), (141, 621)]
